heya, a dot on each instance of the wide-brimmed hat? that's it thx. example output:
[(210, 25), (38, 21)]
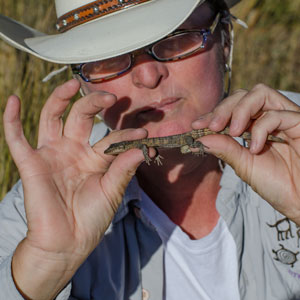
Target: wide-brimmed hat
[(93, 30)]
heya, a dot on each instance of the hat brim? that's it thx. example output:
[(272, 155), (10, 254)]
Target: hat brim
[(102, 38)]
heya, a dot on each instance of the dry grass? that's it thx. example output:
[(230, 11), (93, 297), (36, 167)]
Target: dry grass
[(267, 52), (21, 74)]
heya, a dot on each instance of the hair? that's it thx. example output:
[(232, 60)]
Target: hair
[(218, 5)]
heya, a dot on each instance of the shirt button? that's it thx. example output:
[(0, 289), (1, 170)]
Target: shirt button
[(145, 294)]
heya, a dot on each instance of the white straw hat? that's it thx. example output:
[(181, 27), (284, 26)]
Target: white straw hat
[(93, 30)]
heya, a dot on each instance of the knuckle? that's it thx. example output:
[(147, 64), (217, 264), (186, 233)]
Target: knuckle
[(261, 87), (97, 99), (218, 109), (78, 110), (238, 110), (76, 106), (240, 91), (58, 90), (272, 114)]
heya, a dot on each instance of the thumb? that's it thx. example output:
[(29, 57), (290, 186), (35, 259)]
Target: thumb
[(120, 172), (13, 130), (231, 152)]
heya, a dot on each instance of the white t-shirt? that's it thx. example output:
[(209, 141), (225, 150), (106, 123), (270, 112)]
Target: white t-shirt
[(204, 269)]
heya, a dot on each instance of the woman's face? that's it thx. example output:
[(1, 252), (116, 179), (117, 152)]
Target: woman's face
[(165, 97)]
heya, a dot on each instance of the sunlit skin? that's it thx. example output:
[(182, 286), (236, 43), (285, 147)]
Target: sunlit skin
[(72, 189), (164, 98)]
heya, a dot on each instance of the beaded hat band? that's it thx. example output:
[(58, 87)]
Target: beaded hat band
[(107, 29), (92, 11)]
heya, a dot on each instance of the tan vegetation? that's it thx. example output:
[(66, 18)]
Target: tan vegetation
[(267, 52)]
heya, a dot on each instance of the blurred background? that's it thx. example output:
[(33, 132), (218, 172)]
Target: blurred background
[(268, 52)]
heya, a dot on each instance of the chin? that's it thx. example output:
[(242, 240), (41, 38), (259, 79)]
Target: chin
[(168, 128)]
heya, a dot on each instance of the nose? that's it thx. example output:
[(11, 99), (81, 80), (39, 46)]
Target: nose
[(147, 72)]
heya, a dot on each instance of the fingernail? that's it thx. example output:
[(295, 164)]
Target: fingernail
[(215, 121), (253, 146), (104, 93), (234, 126), (196, 124)]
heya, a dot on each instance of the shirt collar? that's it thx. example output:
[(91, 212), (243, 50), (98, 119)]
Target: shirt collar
[(231, 186)]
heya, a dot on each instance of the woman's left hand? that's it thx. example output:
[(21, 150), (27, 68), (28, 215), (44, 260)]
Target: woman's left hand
[(272, 169)]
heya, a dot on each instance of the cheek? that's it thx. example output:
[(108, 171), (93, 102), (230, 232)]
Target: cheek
[(118, 87), (199, 78), (113, 86), (203, 78), (207, 71), (113, 116)]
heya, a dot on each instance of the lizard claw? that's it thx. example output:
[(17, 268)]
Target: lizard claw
[(148, 160), (201, 150), (158, 159)]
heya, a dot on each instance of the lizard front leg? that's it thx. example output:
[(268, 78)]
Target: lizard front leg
[(201, 148), (145, 149), (158, 159), (191, 143)]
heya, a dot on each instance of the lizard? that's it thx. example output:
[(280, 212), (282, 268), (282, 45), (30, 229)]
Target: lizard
[(185, 141)]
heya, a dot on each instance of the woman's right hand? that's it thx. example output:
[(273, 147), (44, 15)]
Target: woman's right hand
[(71, 189)]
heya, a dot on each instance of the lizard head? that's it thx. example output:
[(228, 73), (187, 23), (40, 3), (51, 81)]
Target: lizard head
[(116, 148)]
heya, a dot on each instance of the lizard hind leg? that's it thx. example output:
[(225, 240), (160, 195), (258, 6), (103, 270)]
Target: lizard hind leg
[(191, 143), (200, 148), (186, 148)]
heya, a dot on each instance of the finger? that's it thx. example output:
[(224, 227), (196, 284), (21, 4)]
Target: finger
[(287, 121), (260, 99), (121, 171), (221, 115), (13, 130), (124, 166), (80, 121), (51, 125), (203, 121), (118, 136), (230, 151)]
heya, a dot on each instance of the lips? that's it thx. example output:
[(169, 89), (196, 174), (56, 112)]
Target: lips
[(162, 106)]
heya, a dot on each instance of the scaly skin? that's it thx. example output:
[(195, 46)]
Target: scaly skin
[(184, 141)]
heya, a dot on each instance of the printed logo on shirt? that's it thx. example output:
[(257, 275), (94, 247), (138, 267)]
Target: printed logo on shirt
[(283, 253), (283, 228), (285, 256)]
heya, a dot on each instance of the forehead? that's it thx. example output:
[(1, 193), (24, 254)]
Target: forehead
[(200, 18)]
